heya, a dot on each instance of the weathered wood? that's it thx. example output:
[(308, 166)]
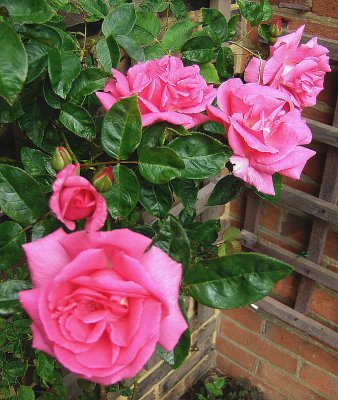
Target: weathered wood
[(302, 265), (311, 205), (323, 133), (222, 5), (299, 321), (252, 212)]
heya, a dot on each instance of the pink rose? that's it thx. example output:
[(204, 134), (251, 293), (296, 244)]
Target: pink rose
[(262, 132), (167, 91), (296, 70), (100, 301), (75, 198)]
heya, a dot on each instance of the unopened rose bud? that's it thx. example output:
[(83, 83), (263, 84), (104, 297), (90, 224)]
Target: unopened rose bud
[(104, 179), (276, 28), (60, 158)]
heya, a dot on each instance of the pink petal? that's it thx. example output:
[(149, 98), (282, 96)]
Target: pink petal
[(218, 116), (107, 100), (252, 70), (295, 162), (169, 116), (196, 119), (98, 219), (225, 93), (46, 257), (122, 84)]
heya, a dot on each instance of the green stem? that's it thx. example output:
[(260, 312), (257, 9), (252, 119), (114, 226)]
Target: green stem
[(255, 54), (89, 165), (103, 392), (70, 151), (84, 41), (133, 396)]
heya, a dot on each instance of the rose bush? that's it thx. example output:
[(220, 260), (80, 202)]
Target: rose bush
[(100, 301), (297, 70), (167, 91), (75, 198), (264, 132)]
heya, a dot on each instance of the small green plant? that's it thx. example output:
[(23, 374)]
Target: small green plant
[(214, 389)]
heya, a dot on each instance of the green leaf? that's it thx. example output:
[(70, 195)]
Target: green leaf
[(28, 11), (44, 34), (198, 49), (146, 29), (227, 189), (123, 196), (108, 53), (52, 99), (63, 69), (95, 9), (20, 196), (204, 233), (234, 281), (209, 73), (77, 120), (9, 114), (156, 199), (179, 9), (9, 294), (134, 50), (35, 118), (154, 51), (89, 80), (12, 238), (255, 13), (232, 26), (37, 59), (154, 5), (215, 20), (45, 368), (264, 32), (153, 135), (203, 156), (225, 62), (122, 128), (172, 239), (45, 227), (13, 63), (180, 352), (120, 21), (35, 162), (232, 233), (187, 191), (174, 38), (12, 370), (159, 164), (214, 127), (278, 186), (25, 393)]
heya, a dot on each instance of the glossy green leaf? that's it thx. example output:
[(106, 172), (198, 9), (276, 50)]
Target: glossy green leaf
[(123, 196), (159, 164), (44, 34), (278, 186), (28, 11), (225, 63), (214, 128), (233, 281), (156, 199), (154, 6), (9, 294), (9, 114), (232, 233), (227, 189), (35, 162), (174, 37), (146, 29), (95, 9), (25, 393), (63, 69), (198, 49), (186, 190), (11, 239), (89, 81), (264, 32), (203, 156), (122, 128), (232, 27), (204, 233), (153, 135), (120, 21), (20, 196), (13, 63), (180, 352), (78, 120), (108, 53), (134, 50), (154, 51), (255, 12), (172, 239), (215, 20), (51, 98), (12, 370), (209, 73), (179, 9)]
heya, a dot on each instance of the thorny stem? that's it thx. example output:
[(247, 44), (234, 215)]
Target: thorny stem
[(70, 151), (133, 396)]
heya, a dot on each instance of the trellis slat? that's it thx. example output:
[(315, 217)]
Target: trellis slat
[(323, 133)]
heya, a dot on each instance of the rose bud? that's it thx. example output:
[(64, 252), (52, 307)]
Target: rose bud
[(60, 158), (104, 179), (276, 28)]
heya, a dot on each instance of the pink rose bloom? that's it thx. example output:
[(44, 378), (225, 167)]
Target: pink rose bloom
[(263, 133), (167, 91), (296, 70), (75, 198), (100, 301)]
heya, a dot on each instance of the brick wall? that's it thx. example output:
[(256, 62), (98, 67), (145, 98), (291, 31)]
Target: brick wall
[(282, 361)]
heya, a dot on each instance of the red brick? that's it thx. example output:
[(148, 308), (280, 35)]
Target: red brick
[(287, 288), (324, 304), (328, 8), (331, 246), (230, 368), (258, 345), (311, 28), (301, 346), (236, 354), (319, 380), (296, 228), (291, 386), (246, 317), (269, 217), (237, 206)]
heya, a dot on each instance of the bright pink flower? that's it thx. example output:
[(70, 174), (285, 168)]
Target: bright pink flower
[(167, 91), (262, 132), (75, 198), (296, 70), (100, 301)]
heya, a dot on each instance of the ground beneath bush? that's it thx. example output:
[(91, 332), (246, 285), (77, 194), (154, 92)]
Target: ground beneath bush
[(216, 386)]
